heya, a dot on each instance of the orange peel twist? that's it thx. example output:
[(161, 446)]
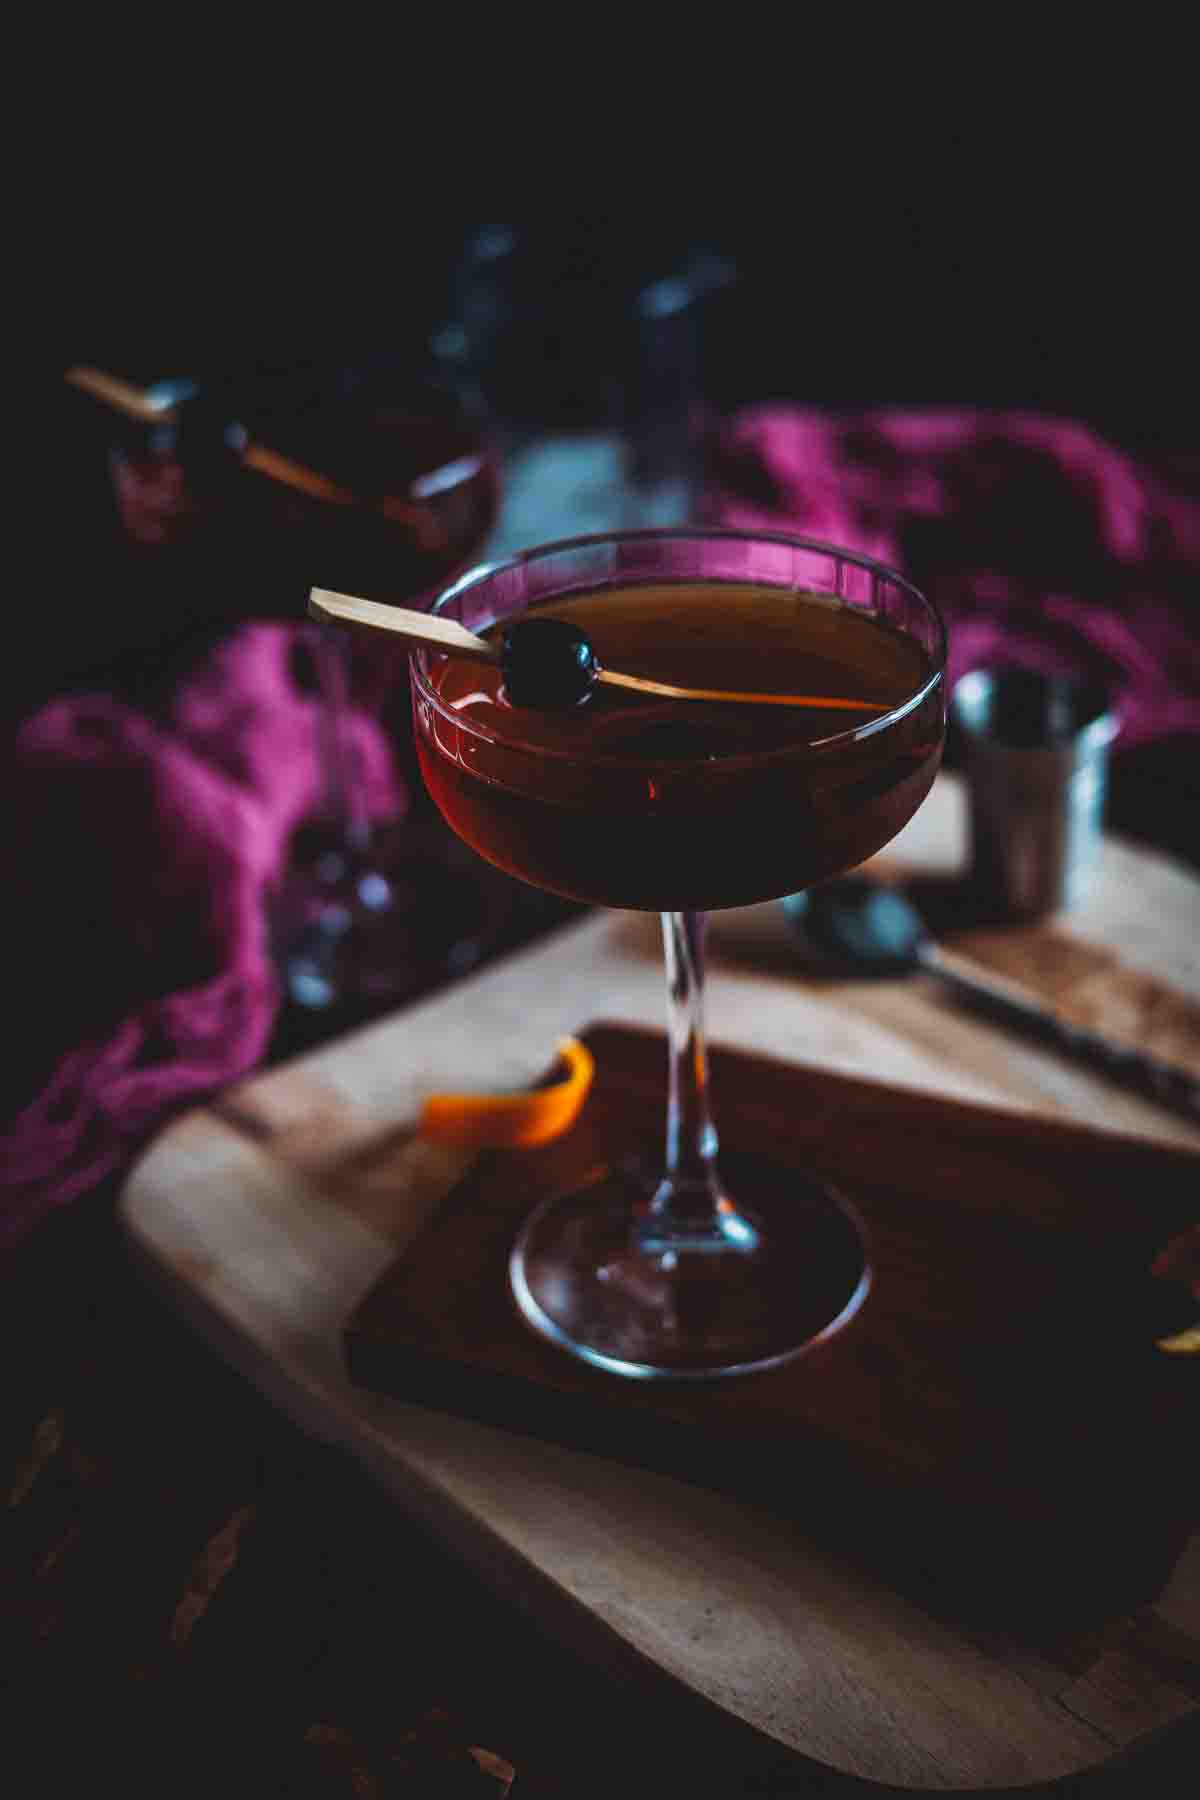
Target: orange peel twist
[(513, 1121)]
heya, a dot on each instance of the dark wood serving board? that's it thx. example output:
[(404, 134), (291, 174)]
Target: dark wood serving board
[(267, 1216), (998, 1427)]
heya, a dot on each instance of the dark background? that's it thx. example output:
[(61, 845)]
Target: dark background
[(903, 234), (1023, 255), (1063, 285)]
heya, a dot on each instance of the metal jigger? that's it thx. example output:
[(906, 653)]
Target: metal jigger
[(1037, 767)]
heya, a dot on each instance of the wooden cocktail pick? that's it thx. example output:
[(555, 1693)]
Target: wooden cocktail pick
[(434, 632), (133, 403)]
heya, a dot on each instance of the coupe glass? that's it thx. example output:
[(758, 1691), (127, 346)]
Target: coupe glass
[(379, 479), (700, 1268), (423, 485)]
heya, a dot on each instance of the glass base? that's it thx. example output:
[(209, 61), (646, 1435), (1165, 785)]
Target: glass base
[(581, 1281)]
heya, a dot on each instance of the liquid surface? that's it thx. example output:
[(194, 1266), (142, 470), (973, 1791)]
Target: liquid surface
[(637, 801), (713, 635)]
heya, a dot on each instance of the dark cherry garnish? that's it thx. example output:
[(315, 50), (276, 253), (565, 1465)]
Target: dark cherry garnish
[(546, 663)]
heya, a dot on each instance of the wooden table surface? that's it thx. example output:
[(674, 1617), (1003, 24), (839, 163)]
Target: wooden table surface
[(198, 1590)]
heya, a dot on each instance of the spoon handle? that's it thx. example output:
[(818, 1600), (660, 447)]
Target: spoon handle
[(1007, 1000)]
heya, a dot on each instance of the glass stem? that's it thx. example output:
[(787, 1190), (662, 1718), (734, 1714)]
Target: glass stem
[(689, 1209), (344, 801)]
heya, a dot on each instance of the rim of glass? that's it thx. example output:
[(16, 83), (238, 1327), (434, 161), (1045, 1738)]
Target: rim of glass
[(481, 573)]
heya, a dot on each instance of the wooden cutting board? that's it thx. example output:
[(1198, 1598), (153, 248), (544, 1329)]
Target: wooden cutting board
[(997, 1430), (269, 1216)]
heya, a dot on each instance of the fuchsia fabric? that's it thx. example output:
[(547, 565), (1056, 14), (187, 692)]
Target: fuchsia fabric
[(138, 970), (1041, 542), (142, 858)]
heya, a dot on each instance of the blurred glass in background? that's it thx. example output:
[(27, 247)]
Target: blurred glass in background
[(590, 363)]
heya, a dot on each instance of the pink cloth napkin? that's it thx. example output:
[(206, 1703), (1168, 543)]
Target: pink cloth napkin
[(143, 853), (1043, 543)]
